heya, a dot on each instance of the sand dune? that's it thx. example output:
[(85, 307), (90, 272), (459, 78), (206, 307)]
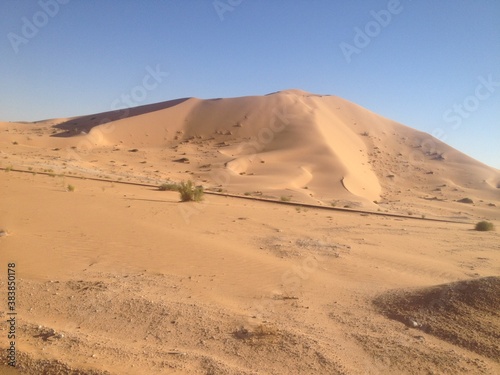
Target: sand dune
[(117, 277), (314, 148)]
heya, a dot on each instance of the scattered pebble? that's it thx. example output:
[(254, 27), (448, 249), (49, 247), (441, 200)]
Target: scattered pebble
[(413, 323)]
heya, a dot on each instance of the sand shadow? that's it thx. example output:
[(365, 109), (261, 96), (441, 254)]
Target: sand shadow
[(84, 124)]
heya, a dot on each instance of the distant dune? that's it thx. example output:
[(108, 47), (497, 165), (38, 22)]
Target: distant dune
[(309, 148)]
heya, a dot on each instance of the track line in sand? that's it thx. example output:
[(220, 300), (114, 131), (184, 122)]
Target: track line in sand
[(208, 192)]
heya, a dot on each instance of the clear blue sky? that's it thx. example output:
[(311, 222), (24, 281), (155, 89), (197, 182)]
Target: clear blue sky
[(428, 64)]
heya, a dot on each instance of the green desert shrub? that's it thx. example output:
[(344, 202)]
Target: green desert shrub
[(484, 226), (71, 188), (190, 192)]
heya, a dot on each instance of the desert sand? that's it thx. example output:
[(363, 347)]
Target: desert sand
[(330, 240)]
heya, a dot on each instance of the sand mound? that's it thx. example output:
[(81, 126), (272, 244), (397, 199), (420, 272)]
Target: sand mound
[(317, 149), (465, 313)]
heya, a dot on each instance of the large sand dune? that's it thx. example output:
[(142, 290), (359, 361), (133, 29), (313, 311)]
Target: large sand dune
[(117, 277), (312, 148)]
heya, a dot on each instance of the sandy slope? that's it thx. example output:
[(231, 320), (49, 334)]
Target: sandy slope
[(311, 148), (124, 279), (464, 313)]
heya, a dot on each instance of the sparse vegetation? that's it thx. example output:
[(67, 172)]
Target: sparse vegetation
[(190, 192), (169, 186), (285, 198), (466, 200), (70, 188), (484, 226), (8, 169)]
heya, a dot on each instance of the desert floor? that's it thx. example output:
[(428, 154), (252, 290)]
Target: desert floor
[(382, 272), (122, 279)]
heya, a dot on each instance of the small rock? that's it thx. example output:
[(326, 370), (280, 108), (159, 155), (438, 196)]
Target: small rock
[(413, 323)]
